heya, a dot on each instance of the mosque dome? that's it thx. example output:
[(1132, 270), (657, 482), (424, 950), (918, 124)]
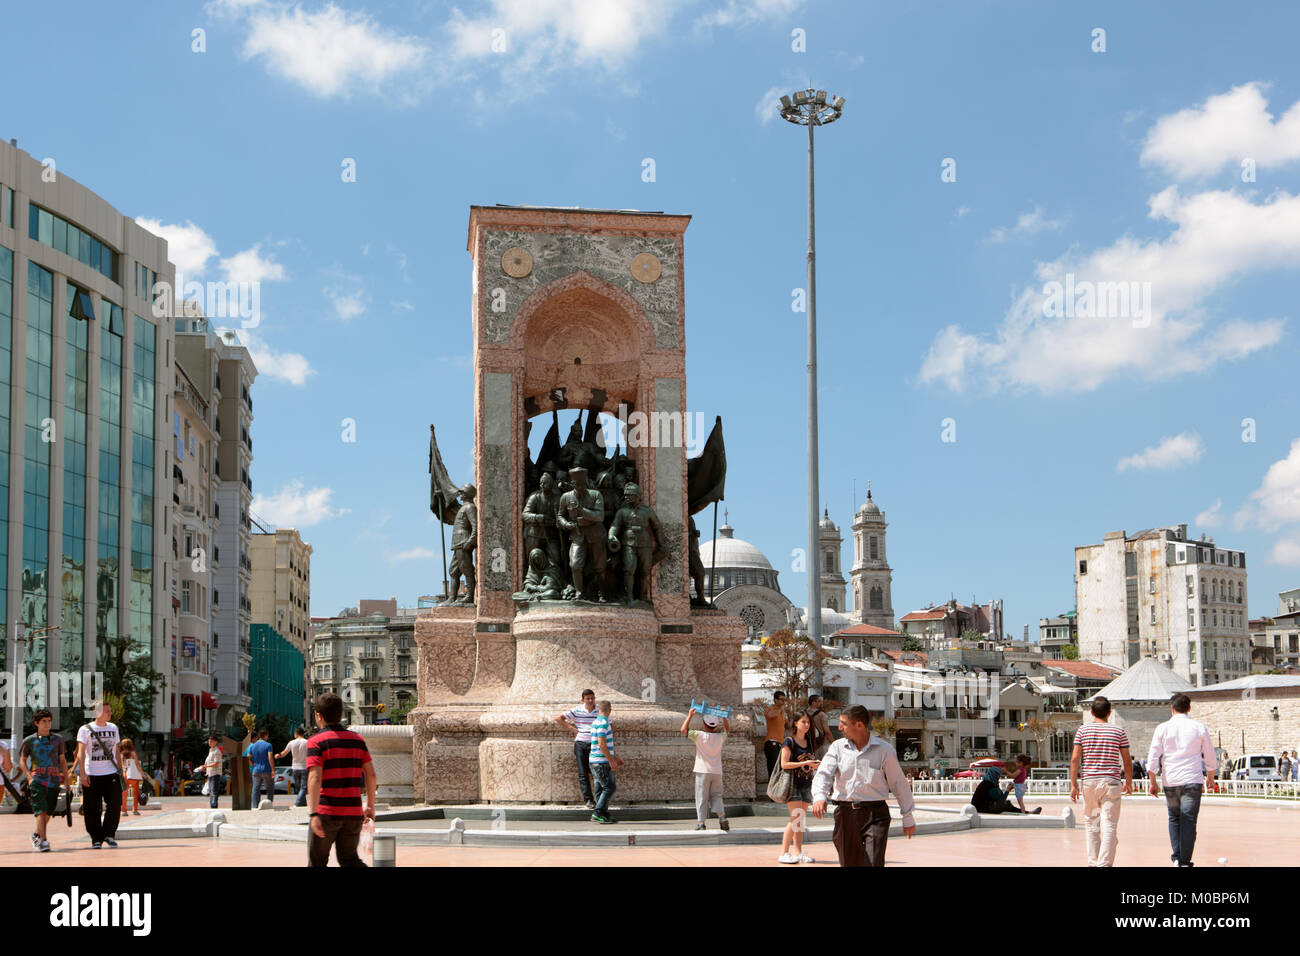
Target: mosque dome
[(732, 552)]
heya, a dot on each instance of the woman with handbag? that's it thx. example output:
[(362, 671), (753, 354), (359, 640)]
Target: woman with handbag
[(799, 761)]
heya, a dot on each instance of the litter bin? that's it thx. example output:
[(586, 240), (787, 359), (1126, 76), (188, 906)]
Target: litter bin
[(385, 850)]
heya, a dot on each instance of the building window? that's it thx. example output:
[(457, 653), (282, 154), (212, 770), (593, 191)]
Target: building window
[(58, 233), (877, 598), (875, 553), (1083, 567)]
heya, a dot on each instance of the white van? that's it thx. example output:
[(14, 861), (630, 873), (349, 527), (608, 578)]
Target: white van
[(1256, 767)]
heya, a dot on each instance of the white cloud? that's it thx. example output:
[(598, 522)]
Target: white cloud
[(1173, 452), (296, 506), (1224, 130), (251, 266), (1027, 224), (331, 52), (188, 247), (412, 554), (1216, 238), (403, 306), (1276, 501), (348, 304), (768, 107), (1210, 517), (741, 12), (290, 367), (963, 211), (1286, 551)]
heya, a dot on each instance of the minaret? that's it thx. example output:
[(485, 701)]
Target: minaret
[(832, 578), (871, 574)]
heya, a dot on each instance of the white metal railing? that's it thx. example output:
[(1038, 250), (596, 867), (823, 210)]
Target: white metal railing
[(1260, 789)]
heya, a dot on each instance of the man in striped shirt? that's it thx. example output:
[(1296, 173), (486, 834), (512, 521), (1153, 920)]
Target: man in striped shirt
[(1101, 755), (579, 720), (337, 763), (603, 762)]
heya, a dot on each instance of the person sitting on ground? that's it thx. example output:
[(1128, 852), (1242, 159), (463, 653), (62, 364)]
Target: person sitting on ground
[(989, 798)]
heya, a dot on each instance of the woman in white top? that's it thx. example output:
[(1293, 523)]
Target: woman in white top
[(134, 775)]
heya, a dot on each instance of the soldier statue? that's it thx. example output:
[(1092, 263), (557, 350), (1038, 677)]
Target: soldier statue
[(464, 541), (582, 517), (636, 531), (540, 530), (697, 568)]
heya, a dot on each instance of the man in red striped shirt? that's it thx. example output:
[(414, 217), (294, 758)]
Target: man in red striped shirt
[(1101, 753), (337, 763)]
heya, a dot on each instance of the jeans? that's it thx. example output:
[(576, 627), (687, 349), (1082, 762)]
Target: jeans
[(1184, 804), (263, 782), (214, 784), (105, 792), (300, 784), (771, 750), (342, 833), (1101, 803), (582, 751), (604, 775)]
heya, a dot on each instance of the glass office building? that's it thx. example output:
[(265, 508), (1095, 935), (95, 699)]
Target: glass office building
[(86, 488)]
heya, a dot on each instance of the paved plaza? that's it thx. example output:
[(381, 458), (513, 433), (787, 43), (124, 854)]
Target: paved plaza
[(1247, 836)]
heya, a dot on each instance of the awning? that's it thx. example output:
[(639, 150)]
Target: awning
[(209, 701)]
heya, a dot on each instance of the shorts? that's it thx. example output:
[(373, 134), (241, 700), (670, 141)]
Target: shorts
[(1020, 790), (44, 798), (801, 791), (585, 552)]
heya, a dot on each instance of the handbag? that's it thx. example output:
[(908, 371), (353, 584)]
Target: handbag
[(781, 784)]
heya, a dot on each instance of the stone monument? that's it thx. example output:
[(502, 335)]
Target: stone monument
[(575, 309)]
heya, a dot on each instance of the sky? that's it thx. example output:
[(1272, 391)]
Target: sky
[(999, 171)]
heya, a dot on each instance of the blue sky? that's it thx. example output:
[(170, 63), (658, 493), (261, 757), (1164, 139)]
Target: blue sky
[(1122, 165)]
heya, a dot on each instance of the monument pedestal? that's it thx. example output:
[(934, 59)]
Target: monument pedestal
[(484, 730)]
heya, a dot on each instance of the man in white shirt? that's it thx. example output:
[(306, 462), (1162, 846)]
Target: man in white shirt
[(99, 764), (857, 773), (297, 750), (1183, 755)]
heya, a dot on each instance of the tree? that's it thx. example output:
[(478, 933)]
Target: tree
[(911, 643), (1041, 729), (279, 727), (884, 727), (793, 662), (1070, 651), (404, 706), (970, 634), (193, 745), (130, 684)]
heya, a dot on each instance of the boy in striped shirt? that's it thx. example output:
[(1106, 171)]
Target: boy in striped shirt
[(603, 762), (1101, 756), (337, 764)]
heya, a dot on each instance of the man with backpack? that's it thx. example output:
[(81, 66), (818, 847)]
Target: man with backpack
[(99, 765)]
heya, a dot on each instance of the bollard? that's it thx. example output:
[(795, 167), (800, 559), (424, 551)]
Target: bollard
[(385, 850)]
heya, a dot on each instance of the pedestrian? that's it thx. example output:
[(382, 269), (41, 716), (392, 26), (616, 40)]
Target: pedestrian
[(1295, 766), (799, 760), (296, 749), (603, 762), (44, 762), (774, 716), (259, 760), (821, 729), (579, 720), (857, 773), (1019, 780), (334, 756), (133, 774), (708, 767), (1101, 768), (990, 798), (99, 767), (1182, 754), (212, 768)]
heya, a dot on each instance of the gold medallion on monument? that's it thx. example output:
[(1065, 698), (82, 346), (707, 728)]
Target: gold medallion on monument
[(516, 262), (645, 268)]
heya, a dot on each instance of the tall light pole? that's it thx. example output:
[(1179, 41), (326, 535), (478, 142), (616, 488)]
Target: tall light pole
[(811, 108)]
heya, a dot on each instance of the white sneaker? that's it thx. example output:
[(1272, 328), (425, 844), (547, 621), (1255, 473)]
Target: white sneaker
[(804, 858), (787, 858)]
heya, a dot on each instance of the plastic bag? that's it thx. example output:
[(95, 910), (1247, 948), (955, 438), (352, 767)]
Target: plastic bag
[(366, 848), (207, 786)]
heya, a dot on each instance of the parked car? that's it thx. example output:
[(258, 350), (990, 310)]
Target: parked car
[(1256, 767), (284, 780)]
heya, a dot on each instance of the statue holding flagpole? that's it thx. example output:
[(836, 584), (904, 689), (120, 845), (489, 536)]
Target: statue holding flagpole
[(445, 501)]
